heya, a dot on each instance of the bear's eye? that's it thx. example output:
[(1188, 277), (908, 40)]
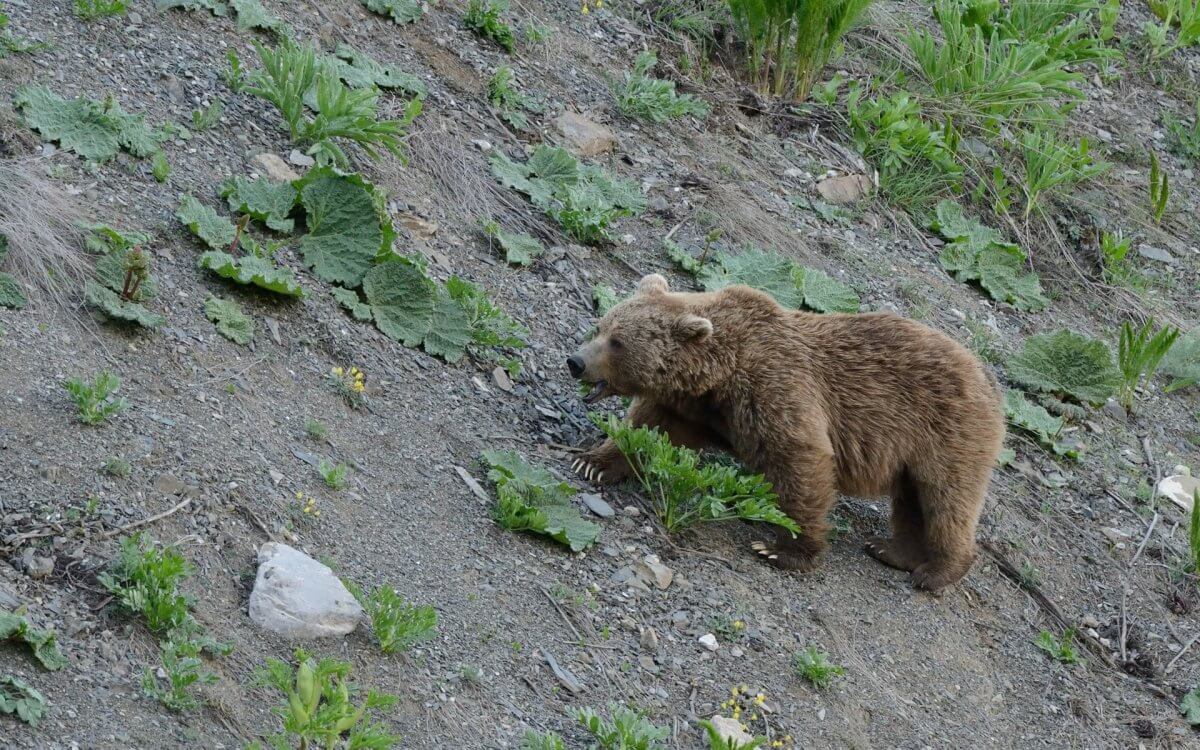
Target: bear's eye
[(616, 344)]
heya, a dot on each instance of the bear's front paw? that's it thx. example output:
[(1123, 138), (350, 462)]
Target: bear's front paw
[(788, 557), (589, 471)]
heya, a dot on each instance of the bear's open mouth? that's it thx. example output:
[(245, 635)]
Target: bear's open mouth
[(599, 391)]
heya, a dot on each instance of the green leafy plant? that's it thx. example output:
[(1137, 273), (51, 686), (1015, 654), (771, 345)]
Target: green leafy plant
[(316, 430), (117, 467), (1186, 137), (642, 95), (1109, 14), (361, 71), (605, 298), (90, 10), (1038, 422), (916, 162), (205, 118), (184, 669), (16, 626), (683, 491), (1160, 189), (400, 11), (506, 97), (334, 475), (519, 249), (256, 265), (1194, 532), (160, 167), (1066, 363), (144, 579), (263, 200), (1183, 361), (123, 280), (975, 252), (788, 44), (716, 741), (231, 322), (1053, 166), (251, 14), (626, 730), (96, 401), (813, 665), (490, 326), (348, 226), (11, 293), (340, 112), (529, 498), (483, 17), (96, 131), (548, 741), (584, 200), (1190, 705), (398, 625), (1139, 354), (234, 76), (1060, 649), (16, 45), (791, 285), (20, 698), (352, 303), (216, 7), (1182, 13), (320, 708), (1116, 267)]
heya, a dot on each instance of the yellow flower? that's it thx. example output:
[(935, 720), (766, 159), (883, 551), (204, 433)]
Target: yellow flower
[(599, 4), (733, 691), (584, 10), (337, 371)]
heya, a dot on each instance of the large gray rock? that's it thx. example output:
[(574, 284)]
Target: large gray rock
[(298, 597), (584, 137), (274, 168)]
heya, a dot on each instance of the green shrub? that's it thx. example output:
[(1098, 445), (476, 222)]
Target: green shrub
[(627, 730), (144, 579), (529, 498), (96, 401), (813, 665), (1059, 649), (483, 17), (90, 10), (1053, 166), (642, 95), (397, 624)]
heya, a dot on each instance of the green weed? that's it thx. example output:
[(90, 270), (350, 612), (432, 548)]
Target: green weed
[(529, 498), (548, 741), (290, 71), (96, 401), (483, 17), (1053, 166), (316, 430), (813, 665), (505, 96), (627, 730), (1194, 533), (16, 626), (398, 625), (717, 742), (160, 167), (117, 467), (15, 44), (184, 669), (333, 474), (1182, 13), (641, 95), (20, 698), (234, 76), (1138, 356), (1187, 137), (1116, 267), (144, 579), (90, 10), (684, 492), (203, 119), (1160, 189), (789, 44), (1060, 649), (320, 709)]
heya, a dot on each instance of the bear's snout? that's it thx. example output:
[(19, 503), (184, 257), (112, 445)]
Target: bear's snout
[(576, 365)]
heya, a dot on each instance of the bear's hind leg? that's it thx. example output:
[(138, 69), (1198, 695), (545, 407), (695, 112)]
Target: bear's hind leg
[(906, 548), (951, 513)]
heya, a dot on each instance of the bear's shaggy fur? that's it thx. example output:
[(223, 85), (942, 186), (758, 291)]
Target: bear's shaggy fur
[(867, 405)]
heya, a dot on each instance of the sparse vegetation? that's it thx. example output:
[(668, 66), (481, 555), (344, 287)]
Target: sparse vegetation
[(334, 475), (398, 625), (144, 579), (483, 17), (229, 319), (548, 741), (1139, 354), (184, 669), (506, 97), (96, 400), (20, 698), (117, 467), (1060, 649), (90, 10), (813, 665), (1194, 533), (97, 131), (206, 117), (642, 95), (683, 491), (1187, 137), (626, 730), (15, 626), (316, 430), (1160, 189)]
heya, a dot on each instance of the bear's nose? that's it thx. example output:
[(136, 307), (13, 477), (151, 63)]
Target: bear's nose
[(575, 365)]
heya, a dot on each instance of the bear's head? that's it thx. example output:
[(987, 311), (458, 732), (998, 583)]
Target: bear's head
[(641, 343)]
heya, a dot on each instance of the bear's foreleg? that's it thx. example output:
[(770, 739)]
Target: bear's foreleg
[(805, 482), (607, 465)]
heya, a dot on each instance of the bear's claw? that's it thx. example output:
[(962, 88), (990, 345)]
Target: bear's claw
[(586, 470)]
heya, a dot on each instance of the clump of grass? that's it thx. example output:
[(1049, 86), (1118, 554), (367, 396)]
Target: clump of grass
[(96, 400), (642, 95), (1115, 264), (1054, 166), (117, 467), (90, 10), (1160, 189), (160, 167), (788, 44), (397, 624), (548, 741), (813, 665), (316, 430), (333, 474), (1060, 649), (1187, 137), (626, 730), (1139, 354), (483, 17), (205, 118), (506, 97)]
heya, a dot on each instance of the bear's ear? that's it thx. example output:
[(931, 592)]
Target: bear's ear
[(691, 327), (652, 283)]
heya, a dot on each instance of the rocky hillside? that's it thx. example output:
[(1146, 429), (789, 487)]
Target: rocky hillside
[(286, 289)]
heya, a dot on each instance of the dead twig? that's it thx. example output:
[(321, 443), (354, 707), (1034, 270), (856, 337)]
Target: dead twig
[(1145, 539), (1182, 651), (157, 517)]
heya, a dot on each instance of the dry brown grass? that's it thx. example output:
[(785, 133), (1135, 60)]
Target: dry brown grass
[(42, 224)]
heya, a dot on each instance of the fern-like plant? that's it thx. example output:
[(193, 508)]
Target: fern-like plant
[(1138, 356), (789, 42), (1051, 165)]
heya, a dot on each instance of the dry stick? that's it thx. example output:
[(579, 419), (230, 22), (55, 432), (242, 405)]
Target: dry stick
[(1145, 539), (151, 519), (1182, 651)]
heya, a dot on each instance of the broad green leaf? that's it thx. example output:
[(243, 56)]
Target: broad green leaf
[(251, 14), (1182, 361), (111, 304), (1190, 707), (401, 11), (20, 698), (554, 165), (43, 643), (1067, 363), (250, 269), (215, 230), (487, 324), (1035, 420), (94, 130), (449, 330), (231, 322), (11, 294), (825, 294), (217, 7), (516, 176), (348, 299), (999, 269), (519, 249), (529, 498), (264, 200), (767, 272), (360, 70), (110, 271), (402, 298), (952, 224), (348, 227), (622, 193), (105, 239)]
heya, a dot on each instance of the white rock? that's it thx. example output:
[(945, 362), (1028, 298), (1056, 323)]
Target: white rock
[(274, 167), (1180, 489), (709, 641), (652, 569), (730, 731), (301, 159), (298, 597)]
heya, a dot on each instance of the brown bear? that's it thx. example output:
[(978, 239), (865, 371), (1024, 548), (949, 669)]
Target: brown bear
[(868, 405)]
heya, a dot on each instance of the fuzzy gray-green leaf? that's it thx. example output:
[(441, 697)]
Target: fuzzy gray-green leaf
[(231, 322), (347, 231), (264, 200), (203, 221), (1067, 363), (111, 304)]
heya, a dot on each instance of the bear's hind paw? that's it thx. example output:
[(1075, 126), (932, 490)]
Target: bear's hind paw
[(786, 559)]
